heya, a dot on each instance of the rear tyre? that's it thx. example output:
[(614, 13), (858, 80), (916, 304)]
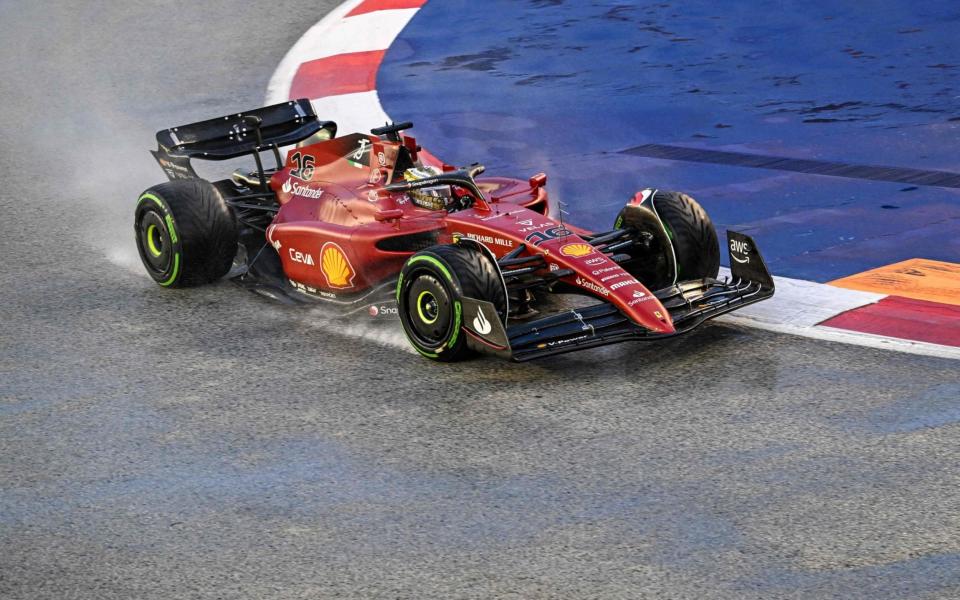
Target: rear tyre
[(186, 233), (431, 286), (691, 232)]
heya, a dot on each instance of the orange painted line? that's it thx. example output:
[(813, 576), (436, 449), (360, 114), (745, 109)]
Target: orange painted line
[(917, 278)]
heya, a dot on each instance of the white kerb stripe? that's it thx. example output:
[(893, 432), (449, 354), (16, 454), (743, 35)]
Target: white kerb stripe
[(353, 113), (278, 90), (362, 33)]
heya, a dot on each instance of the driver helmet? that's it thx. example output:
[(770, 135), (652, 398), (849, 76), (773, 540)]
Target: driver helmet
[(432, 198)]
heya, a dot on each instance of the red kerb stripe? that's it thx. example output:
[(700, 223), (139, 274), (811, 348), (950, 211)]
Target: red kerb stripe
[(904, 318), (335, 75), (368, 6)]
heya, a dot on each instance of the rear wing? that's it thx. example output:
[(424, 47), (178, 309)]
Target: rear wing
[(248, 132)]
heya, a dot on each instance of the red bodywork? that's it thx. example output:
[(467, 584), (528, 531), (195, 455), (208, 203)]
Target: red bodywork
[(339, 233)]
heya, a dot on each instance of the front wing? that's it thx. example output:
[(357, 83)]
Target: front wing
[(690, 303)]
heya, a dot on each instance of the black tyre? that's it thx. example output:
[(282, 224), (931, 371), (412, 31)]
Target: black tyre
[(691, 233), (186, 233), (431, 286)]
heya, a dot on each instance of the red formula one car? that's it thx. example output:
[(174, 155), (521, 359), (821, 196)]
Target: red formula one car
[(371, 222)]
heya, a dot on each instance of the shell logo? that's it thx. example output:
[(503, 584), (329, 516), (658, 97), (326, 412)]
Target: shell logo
[(576, 250), (336, 266)]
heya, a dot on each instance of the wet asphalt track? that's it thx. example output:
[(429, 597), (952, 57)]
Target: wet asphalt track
[(209, 444)]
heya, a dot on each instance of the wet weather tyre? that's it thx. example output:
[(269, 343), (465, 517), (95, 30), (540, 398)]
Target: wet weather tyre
[(186, 233), (692, 234), (693, 239), (431, 286)]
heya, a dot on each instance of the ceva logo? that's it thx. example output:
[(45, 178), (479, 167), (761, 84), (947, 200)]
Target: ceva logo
[(301, 257)]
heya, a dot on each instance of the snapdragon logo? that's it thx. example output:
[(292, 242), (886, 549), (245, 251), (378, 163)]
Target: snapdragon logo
[(376, 311)]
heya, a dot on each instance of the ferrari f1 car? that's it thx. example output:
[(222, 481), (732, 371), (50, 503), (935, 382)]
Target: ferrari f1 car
[(468, 264)]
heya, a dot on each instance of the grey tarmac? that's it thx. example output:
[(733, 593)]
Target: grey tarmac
[(208, 443)]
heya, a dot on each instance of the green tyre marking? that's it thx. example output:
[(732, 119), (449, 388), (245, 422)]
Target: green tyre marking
[(399, 286), (456, 323), (173, 231), (666, 226), (618, 223), (149, 196), (434, 262), (416, 347), (176, 271)]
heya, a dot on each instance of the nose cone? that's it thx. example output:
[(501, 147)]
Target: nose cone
[(656, 318), (608, 280), (643, 308)]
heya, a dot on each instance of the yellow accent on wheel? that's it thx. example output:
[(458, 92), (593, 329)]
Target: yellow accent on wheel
[(420, 306), (153, 240)]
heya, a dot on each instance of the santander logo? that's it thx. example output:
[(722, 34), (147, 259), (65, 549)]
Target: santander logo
[(292, 187), (481, 324)]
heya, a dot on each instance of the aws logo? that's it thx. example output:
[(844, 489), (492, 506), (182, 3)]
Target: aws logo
[(336, 266), (740, 251)]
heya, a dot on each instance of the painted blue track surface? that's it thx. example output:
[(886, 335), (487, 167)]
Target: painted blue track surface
[(566, 86)]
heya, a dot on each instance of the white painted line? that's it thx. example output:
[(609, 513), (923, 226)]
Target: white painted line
[(856, 338), (804, 303), (353, 113)]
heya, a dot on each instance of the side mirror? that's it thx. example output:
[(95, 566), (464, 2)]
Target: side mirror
[(388, 215)]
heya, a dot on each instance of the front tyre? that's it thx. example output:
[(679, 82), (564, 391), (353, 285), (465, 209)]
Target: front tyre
[(186, 233), (431, 286), (692, 234)]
